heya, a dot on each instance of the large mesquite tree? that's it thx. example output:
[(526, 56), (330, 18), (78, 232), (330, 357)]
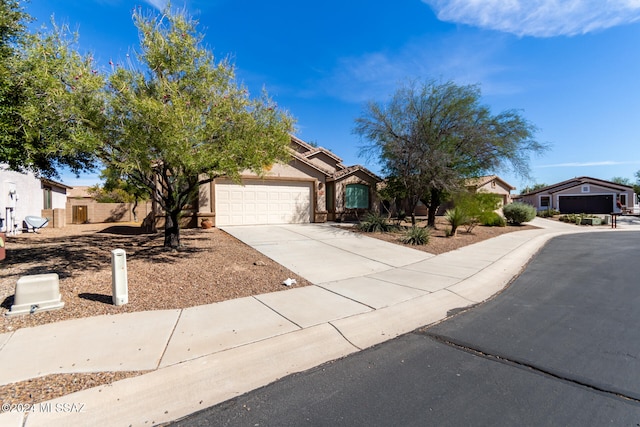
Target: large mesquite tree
[(178, 119), (430, 137), (50, 98)]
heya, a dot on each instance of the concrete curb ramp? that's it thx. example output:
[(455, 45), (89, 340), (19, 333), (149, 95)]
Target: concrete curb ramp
[(367, 291)]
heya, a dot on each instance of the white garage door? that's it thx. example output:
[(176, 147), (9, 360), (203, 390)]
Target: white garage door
[(263, 202)]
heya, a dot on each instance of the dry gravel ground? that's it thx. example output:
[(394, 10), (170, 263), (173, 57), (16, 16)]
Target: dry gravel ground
[(439, 242), (211, 267)]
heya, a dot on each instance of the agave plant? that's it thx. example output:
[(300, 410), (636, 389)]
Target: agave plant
[(374, 222), (416, 236), (455, 217)]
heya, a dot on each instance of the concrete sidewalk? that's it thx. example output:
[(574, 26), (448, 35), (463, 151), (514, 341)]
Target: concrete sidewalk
[(367, 291)]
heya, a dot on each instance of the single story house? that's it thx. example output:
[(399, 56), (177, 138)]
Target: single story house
[(483, 184), (23, 194), (314, 186), (584, 195), (491, 184)]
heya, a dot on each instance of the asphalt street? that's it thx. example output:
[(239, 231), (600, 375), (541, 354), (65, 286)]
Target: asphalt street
[(560, 346)]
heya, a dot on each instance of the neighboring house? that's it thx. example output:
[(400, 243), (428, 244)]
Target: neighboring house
[(491, 184), (313, 187), (80, 192), (584, 195), (22, 194), (483, 184)]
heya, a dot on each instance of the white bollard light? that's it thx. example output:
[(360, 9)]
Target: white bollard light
[(119, 285)]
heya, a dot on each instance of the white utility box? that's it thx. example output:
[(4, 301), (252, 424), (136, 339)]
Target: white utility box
[(38, 292), (119, 284)]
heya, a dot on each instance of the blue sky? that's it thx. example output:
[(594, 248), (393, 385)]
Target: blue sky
[(572, 67)]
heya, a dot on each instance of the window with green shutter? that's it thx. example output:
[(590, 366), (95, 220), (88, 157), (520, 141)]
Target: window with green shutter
[(357, 196)]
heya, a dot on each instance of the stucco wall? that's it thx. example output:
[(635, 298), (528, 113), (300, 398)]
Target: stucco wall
[(107, 212), (29, 197), (324, 162), (58, 198), (497, 189), (593, 190), (355, 178)]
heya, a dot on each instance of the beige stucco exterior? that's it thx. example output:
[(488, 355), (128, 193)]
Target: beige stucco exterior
[(323, 170), (597, 195), (491, 184)]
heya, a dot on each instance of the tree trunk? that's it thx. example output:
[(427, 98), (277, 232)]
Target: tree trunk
[(412, 209), (434, 204), (431, 215), (172, 230), (133, 210)]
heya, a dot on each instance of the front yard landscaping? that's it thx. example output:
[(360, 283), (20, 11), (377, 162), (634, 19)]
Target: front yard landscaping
[(211, 267)]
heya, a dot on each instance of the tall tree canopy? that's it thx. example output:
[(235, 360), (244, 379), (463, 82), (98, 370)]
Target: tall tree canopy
[(622, 180), (181, 119), (12, 38), (433, 135), (50, 98)]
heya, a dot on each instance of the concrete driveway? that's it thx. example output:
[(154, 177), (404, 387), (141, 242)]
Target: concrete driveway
[(323, 253), (378, 274)]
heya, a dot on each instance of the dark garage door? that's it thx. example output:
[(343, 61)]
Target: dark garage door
[(586, 204)]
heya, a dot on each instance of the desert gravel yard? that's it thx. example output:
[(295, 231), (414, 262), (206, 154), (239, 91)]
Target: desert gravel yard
[(211, 267)]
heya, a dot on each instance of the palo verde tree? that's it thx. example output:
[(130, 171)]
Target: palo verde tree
[(12, 40), (432, 136), (50, 98), (178, 119)]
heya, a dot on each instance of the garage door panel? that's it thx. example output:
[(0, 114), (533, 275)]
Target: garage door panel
[(267, 202), (588, 204)]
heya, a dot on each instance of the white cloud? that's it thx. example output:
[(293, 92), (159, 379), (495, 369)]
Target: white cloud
[(158, 4), (540, 18)]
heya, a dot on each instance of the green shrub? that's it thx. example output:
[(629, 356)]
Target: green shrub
[(471, 224), (475, 205), (571, 218), (575, 218), (517, 213), (456, 217), (548, 213), (374, 222), (492, 219), (416, 236)]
